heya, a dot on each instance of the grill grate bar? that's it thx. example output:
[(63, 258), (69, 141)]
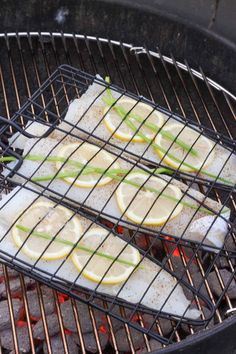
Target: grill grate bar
[(216, 104), (43, 316), (232, 110), (64, 342), (9, 300), (29, 327)]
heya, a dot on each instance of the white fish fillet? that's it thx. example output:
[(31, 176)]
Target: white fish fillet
[(87, 118), (185, 225), (164, 288)]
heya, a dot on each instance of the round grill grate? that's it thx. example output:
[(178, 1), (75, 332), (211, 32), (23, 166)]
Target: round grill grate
[(27, 60)]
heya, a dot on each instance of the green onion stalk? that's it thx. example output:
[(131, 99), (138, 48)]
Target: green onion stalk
[(116, 174), (75, 246)]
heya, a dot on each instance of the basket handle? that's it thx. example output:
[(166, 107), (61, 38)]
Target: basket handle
[(5, 123)]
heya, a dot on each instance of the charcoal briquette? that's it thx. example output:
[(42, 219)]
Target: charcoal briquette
[(34, 306), (149, 323), (122, 341), (208, 324), (83, 314), (52, 327), (216, 286), (90, 342), (22, 336), (5, 321), (58, 347), (154, 345), (15, 286)]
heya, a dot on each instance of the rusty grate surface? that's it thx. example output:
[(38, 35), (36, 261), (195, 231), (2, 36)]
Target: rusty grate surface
[(26, 62)]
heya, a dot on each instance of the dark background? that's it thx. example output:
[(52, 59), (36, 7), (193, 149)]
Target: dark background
[(201, 31)]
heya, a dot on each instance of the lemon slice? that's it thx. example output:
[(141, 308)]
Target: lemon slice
[(99, 269), (142, 205), (46, 218), (121, 130), (202, 146), (89, 155)]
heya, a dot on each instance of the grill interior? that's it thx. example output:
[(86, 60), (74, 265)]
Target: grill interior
[(27, 60)]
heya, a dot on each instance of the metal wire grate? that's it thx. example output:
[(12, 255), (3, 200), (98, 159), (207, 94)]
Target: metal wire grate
[(57, 104)]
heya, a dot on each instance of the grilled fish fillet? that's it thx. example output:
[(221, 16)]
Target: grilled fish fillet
[(164, 294), (87, 114), (189, 224)]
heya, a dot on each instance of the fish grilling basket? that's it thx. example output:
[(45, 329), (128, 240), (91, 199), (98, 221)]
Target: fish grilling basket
[(145, 194)]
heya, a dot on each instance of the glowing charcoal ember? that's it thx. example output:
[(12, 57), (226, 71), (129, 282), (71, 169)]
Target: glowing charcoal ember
[(178, 264)]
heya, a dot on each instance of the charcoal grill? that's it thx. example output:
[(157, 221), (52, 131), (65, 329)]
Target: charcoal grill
[(29, 58)]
